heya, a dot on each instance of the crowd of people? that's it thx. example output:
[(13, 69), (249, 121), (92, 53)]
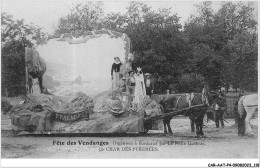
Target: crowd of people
[(135, 83)]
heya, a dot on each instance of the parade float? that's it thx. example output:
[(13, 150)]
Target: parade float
[(76, 108)]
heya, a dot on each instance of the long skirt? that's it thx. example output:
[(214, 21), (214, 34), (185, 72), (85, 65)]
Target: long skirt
[(115, 81), (140, 121)]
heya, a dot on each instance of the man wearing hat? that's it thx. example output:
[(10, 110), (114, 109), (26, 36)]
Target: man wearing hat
[(149, 84)]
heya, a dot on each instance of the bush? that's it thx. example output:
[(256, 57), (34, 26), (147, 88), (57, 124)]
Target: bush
[(191, 83), (13, 69)]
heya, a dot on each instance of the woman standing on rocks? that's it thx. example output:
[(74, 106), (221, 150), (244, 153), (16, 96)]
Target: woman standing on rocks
[(115, 73)]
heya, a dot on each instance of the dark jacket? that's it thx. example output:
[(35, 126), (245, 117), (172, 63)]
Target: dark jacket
[(115, 68)]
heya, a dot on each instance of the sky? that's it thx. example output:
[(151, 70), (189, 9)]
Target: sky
[(46, 13)]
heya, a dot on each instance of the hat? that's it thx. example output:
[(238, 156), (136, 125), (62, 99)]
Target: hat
[(139, 69), (148, 74), (129, 72)]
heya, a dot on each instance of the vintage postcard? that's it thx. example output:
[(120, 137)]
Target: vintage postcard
[(130, 80)]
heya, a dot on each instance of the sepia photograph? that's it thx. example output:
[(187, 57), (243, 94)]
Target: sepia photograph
[(130, 80)]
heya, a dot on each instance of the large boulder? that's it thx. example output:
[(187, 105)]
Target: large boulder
[(36, 114), (38, 103), (34, 63), (109, 100), (79, 102), (33, 122)]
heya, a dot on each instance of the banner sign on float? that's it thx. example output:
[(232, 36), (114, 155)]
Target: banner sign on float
[(76, 116)]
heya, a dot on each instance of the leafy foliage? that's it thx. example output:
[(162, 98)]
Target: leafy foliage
[(13, 69), (84, 16), (15, 35), (12, 30), (211, 36), (191, 83)]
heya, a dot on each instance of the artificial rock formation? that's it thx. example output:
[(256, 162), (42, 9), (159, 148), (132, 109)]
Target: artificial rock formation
[(80, 114)]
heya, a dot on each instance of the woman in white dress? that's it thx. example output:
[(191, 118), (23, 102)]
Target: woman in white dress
[(139, 92)]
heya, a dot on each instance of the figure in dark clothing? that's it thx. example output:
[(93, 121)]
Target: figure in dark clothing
[(115, 73), (236, 111), (219, 108), (149, 84)]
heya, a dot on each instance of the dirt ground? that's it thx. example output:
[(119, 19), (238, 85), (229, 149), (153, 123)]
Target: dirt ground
[(218, 143)]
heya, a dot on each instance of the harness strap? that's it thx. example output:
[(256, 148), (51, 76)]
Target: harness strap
[(204, 99), (177, 102), (191, 97), (250, 105)]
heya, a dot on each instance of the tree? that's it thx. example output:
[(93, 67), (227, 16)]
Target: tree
[(203, 57), (12, 30), (210, 36), (191, 83), (84, 16), (157, 41), (15, 35), (115, 21), (243, 54)]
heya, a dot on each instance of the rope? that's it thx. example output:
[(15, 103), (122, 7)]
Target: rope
[(178, 102)]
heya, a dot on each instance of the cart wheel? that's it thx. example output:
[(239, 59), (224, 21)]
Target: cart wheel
[(147, 126), (146, 130), (143, 133)]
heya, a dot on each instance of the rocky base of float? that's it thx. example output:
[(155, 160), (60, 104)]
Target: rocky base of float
[(103, 113)]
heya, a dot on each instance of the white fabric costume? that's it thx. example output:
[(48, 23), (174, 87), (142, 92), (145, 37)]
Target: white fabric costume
[(139, 92)]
